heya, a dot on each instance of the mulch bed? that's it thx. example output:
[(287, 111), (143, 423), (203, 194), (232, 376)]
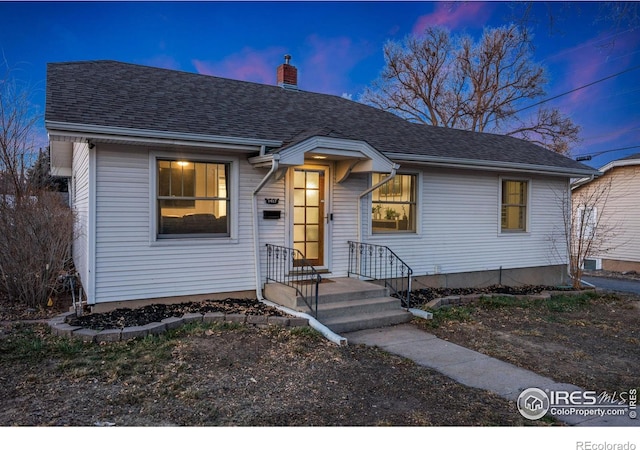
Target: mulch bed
[(126, 317), (425, 295), (129, 317)]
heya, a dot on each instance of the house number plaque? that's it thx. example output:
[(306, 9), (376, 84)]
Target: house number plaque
[(272, 201)]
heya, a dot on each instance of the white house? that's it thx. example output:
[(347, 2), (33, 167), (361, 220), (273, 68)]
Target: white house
[(180, 180)]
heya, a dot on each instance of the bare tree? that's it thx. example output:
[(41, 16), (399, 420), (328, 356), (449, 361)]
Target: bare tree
[(585, 232), (36, 227), (17, 123), (453, 81)]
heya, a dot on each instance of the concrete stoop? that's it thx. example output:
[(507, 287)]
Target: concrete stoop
[(345, 304)]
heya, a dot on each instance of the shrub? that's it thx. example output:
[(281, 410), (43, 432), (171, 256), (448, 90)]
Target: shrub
[(36, 233)]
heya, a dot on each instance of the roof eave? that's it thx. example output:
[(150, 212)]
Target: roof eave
[(611, 165), (620, 163), (464, 163), (145, 136)]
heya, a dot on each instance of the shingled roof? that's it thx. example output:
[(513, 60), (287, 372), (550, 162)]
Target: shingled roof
[(121, 95)]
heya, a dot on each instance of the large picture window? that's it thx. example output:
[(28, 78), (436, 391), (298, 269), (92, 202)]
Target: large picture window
[(514, 205), (393, 205), (193, 198)]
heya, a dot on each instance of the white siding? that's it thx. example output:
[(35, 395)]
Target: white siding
[(271, 231), (130, 264), (345, 220), (80, 203), (458, 229)]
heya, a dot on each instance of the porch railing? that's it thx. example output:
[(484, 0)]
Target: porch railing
[(289, 267), (378, 262)]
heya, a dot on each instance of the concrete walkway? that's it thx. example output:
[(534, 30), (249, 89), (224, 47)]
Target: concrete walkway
[(471, 368)]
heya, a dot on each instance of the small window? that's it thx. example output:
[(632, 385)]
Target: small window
[(193, 198), (393, 205), (585, 223), (514, 205)]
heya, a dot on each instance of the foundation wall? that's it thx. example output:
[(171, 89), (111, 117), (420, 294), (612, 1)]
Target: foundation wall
[(541, 276), (132, 304), (616, 265)]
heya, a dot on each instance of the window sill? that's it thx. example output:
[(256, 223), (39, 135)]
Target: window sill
[(392, 232), (192, 241), (514, 233)]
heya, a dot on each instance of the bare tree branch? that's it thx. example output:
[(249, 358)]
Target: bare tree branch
[(17, 122), (457, 82)]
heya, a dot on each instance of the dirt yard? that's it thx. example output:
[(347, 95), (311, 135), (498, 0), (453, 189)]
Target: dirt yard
[(228, 376), (248, 376), (592, 342)]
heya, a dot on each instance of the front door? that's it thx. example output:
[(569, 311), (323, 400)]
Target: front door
[(309, 213)]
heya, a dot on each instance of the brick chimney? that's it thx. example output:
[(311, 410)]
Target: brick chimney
[(287, 74)]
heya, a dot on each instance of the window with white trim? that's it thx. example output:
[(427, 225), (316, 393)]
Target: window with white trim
[(193, 198), (585, 223), (393, 205), (513, 205)]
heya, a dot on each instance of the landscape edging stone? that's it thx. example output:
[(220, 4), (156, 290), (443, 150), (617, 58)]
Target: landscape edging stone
[(60, 327)]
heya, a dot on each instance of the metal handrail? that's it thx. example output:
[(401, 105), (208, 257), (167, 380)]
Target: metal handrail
[(288, 266), (379, 262)]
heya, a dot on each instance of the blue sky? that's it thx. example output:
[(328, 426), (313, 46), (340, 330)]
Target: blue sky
[(337, 47)]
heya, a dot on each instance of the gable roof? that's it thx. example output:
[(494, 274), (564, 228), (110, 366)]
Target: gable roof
[(631, 160), (128, 97)]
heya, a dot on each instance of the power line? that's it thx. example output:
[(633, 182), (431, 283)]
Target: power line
[(573, 90), (588, 156)]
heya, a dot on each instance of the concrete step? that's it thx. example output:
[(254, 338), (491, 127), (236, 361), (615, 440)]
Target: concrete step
[(359, 306), (365, 321), (330, 291), (345, 304), (345, 289)]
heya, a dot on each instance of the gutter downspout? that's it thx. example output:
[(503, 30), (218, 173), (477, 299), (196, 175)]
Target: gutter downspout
[(254, 213), (392, 175), (394, 168), (313, 322)]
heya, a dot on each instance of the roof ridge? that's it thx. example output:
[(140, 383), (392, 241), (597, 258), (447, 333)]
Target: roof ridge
[(181, 71)]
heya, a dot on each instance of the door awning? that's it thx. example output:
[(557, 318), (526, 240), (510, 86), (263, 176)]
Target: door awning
[(350, 156)]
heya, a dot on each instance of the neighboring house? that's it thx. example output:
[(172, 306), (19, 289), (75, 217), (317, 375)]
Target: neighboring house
[(614, 217), (180, 180)]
